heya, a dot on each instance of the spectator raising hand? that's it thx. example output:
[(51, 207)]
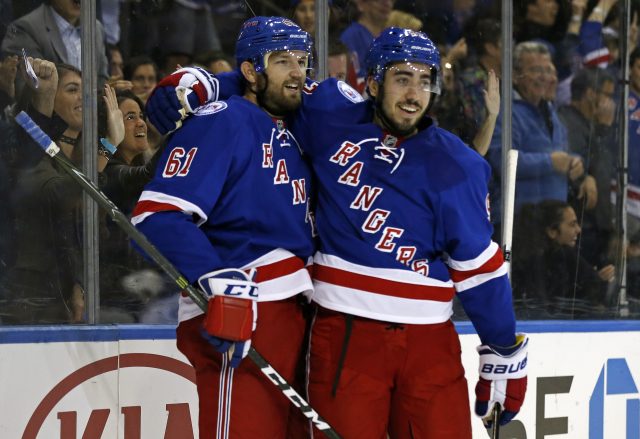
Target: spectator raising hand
[(115, 122), (588, 192), (633, 32), (8, 70), (44, 95), (578, 7), (457, 52), (491, 94)]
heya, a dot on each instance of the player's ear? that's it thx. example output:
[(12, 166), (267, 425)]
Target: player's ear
[(372, 87), (552, 233), (249, 72)]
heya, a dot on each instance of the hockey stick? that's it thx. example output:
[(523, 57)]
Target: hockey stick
[(507, 238), (495, 433), (197, 296), (509, 205)]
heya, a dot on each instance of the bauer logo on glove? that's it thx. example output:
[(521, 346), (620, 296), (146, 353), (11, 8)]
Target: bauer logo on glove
[(509, 370), (503, 379)]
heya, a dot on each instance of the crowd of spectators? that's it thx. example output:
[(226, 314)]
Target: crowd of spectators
[(566, 114)]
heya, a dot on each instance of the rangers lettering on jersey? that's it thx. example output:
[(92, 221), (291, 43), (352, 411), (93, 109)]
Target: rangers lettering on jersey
[(352, 175), (299, 191), (267, 155), (282, 176), (375, 220), (346, 151), (367, 196), (386, 243)]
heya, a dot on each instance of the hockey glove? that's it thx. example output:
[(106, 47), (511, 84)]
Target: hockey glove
[(232, 311), (178, 95), (503, 380)]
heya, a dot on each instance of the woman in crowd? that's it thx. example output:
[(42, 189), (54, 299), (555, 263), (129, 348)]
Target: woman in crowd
[(549, 275), (143, 74), (126, 280), (44, 285)]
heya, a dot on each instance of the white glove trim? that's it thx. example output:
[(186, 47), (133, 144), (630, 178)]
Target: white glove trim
[(494, 366), (230, 282)]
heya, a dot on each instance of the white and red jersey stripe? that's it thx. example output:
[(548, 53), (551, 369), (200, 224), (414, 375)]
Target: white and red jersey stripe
[(633, 200), (280, 275), (386, 294), (474, 272), (597, 58), (151, 202)]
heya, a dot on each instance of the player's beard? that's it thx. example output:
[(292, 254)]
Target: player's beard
[(398, 129), (272, 97)]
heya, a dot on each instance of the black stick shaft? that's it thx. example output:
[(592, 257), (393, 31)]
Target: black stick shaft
[(196, 295), (495, 433)]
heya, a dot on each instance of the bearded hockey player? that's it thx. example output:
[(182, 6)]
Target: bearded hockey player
[(229, 206)]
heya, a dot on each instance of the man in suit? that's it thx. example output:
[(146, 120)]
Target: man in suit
[(52, 32)]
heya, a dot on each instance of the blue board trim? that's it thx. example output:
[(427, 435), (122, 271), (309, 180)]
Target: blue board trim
[(106, 333), (563, 326), (98, 333)]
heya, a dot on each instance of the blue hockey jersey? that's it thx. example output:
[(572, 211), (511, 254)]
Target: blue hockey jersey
[(403, 224), (232, 190)]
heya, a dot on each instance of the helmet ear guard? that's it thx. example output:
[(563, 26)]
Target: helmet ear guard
[(260, 36), (397, 45)]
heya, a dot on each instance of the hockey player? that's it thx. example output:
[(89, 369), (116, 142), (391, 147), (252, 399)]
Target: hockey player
[(403, 222), (229, 206), (404, 225)]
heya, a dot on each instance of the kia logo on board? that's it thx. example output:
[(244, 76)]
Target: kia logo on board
[(179, 419)]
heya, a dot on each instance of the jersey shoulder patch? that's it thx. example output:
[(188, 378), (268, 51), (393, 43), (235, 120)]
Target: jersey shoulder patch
[(349, 92), (211, 108)]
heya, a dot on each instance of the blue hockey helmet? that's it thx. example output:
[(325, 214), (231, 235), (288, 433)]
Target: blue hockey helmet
[(403, 45), (261, 35)]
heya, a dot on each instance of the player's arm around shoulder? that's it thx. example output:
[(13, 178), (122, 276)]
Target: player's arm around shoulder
[(213, 121), (329, 95), (473, 163), (203, 148), (452, 163)]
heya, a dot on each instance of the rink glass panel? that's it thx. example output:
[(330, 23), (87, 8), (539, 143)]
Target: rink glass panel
[(42, 237)]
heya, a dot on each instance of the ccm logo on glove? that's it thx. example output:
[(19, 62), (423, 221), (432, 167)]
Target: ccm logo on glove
[(242, 290)]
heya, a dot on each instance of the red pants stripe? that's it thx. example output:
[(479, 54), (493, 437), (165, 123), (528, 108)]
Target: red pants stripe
[(256, 408), (398, 379)]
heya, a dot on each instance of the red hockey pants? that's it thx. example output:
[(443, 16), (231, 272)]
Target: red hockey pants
[(243, 401), (401, 379)]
